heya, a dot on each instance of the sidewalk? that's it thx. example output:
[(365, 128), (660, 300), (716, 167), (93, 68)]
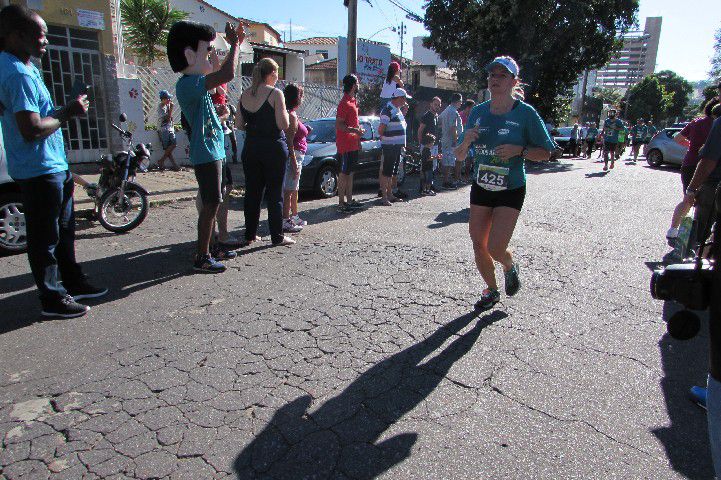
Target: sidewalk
[(164, 187)]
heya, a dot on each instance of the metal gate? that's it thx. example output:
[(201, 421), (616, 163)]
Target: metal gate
[(73, 56)]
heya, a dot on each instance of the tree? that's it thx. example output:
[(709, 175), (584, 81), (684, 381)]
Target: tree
[(648, 99), (609, 96), (145, 27), (679, 87), (709, 92), (554, 41), (715, 71)]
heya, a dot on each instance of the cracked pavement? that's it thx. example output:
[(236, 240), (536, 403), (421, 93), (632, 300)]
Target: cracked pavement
[(355, 353)]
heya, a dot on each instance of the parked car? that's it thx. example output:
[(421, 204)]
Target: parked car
[(12, 219), (320, 166), (562, 137), (664, 150)]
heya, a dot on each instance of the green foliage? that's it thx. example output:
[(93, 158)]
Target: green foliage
[(145, 27), (679, 87), (554, 41), (369, 98), (709, 92), (715, 71), (609, 96), (648, 99)]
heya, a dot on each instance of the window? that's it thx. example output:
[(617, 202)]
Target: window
[(368, 135), (322, 52)]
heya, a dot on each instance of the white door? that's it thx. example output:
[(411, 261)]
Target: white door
[(73, 56)]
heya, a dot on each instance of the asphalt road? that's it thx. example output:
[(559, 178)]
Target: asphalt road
[(356, 353)]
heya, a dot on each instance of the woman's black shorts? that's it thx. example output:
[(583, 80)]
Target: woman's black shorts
[(505, 198)]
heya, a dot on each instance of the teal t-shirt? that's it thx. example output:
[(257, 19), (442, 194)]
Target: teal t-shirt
[(521, 126), (638, 132), (592, 133), (611, 129), (22, 89), (650, 132), (206, 138)]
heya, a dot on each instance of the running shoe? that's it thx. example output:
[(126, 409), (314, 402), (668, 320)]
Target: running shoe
[(344, 209), (698, 396), (355, 205), (207, 264), (432, 193), (488, 299), (286, 242), (298, 221), (672, 233), (513, 283), (220, 253), (63, 307), (290, 227), (400, 194)]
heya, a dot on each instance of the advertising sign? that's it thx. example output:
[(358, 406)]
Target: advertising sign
[(372, 61)]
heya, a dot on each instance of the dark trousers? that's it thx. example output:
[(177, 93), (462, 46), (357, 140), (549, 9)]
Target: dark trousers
[(264, 165), (50, 222)]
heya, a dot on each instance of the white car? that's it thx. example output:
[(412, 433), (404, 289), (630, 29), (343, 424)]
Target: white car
[(12, 220)]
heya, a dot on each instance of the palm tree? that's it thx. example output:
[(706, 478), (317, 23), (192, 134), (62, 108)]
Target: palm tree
[(145, 27)]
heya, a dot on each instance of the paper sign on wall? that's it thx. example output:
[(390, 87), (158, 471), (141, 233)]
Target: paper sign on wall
[(91, 19)]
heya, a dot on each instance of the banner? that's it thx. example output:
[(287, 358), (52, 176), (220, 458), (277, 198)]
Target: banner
[(371, 63)]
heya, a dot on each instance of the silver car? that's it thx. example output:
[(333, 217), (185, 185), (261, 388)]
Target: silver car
[(12, 219), (664, 150)]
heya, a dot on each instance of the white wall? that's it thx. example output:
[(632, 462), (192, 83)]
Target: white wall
[(314, 48), (425, 55), (294, 68)]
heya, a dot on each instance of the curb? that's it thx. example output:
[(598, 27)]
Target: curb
[(152, 203)]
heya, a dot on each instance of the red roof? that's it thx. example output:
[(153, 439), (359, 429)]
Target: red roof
[(331, 64), (327, 41)]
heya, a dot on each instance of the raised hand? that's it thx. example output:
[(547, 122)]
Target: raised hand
[(78, 107)]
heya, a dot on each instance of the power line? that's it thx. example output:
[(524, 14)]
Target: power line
[(410, 15)]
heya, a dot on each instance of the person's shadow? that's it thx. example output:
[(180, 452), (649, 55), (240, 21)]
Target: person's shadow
[(341, 437), (685, 363), (597, 174), (123, 274), (445, 219)]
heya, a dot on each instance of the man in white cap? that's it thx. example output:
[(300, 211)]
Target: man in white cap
[(393, 140)]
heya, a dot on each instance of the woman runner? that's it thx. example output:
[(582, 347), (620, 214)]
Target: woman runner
[(500, 134)]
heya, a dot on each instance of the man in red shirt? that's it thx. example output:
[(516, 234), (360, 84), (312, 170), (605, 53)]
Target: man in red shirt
[(347, 140)]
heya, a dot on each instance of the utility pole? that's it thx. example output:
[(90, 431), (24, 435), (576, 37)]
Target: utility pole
[(291, 29), (352, 35), (402, 32), (583, 96)]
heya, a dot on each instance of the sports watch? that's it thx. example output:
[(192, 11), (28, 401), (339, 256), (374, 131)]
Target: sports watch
[(691, 191), (524, 152)]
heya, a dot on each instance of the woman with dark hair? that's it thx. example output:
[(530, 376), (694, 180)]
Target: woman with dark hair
[(500, 134), (392, 81), (295, 138), (263, 116), (693, 136)]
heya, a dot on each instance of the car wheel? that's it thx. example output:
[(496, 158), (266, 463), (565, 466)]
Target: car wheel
[(401, 174), (326, 182), (654, 158), (13, 236)]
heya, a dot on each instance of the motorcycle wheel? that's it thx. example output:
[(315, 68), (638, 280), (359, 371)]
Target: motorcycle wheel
[(121, 215)]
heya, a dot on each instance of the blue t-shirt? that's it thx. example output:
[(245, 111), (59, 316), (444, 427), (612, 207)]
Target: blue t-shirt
[(206, 138), (521, 126), (22, 90), (611, 129), (638, 132)]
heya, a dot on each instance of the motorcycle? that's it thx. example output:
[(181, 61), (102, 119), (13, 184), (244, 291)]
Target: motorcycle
[(121, 204)]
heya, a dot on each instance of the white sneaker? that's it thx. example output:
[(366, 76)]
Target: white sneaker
[(290, 227), (672, 233), (298, 221)]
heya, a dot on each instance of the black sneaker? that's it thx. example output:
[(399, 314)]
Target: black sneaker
[(220, 253), (488, 299), (64, 307), (354, 205), (85, 290), (400, 194), (207, 264), (513, 283), (380, 193), (344, 209)]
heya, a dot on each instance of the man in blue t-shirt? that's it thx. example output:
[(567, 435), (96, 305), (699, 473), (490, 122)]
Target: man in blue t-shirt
[(37, 162), (611, 127), (188, 53)]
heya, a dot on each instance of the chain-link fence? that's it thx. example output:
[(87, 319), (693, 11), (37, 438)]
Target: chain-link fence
[(318, 100)]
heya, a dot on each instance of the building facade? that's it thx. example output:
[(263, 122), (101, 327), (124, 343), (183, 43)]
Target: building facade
[(635, 60)]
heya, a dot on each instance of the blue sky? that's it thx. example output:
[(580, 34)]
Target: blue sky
[(686, 35)]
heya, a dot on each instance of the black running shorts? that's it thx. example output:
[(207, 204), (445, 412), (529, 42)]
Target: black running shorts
[(504, 198)]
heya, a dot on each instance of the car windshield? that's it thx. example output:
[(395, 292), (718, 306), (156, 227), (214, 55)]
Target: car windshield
[(323, 131), (564, 132)]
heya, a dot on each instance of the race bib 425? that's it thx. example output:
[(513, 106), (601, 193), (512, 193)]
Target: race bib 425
[(492, 178)]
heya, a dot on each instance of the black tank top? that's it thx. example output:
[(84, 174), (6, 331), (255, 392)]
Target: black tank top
[(261, 124)]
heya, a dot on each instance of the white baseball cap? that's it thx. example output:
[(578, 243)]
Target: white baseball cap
[(399, 92)]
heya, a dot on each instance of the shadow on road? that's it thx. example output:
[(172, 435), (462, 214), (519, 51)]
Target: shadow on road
[(342, 435), (685, 363), (597, 174), (537, 168), (123, 274), (445, 219)]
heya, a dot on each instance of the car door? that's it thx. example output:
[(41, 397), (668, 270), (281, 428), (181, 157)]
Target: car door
[(369, 155), (674, 152)]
